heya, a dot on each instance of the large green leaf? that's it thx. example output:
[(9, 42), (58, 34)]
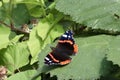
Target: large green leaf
[(88, 64), (4, 36), (98, 14), (14, 56), (26, 75)]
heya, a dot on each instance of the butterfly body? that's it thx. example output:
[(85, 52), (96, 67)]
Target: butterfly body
[(60, 55)]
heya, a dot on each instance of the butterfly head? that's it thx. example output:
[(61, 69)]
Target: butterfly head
[(69, 32)]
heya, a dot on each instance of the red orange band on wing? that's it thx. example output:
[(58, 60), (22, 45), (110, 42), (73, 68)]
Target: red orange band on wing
[(61, 63), (53, 58), (65, 62), (63, 41), (75, 48)]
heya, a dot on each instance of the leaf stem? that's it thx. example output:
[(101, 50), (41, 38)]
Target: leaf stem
[(51, 6), (10, 12)]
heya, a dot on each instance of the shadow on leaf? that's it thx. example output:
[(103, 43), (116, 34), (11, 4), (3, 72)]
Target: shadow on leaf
[(47, 68)]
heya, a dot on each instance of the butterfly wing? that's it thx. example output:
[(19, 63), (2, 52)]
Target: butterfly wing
[(60, 54), (57, 57), (67, 42)]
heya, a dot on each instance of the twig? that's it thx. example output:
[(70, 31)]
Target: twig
[(11, 26), (1, 22), (19, 31)]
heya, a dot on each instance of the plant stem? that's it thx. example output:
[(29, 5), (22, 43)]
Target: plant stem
[(1, 22), (60, 16)]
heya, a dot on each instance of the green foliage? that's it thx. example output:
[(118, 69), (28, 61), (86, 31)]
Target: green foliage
[(28, 26), (15, 55), (98, 14)]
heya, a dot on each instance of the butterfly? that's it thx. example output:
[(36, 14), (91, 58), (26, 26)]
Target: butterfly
[(60, 55)]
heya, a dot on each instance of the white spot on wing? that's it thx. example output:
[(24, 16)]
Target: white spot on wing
[(50, 61), (69, 36), (47, 58), (64, 35)]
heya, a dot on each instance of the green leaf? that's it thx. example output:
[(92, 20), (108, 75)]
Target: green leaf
[(0, 4), (26, 75), (16, 37), (114, 51), (43, 29), (50, 18), (98, 14), (4, 36), (49, 33), (36, 11), (12, 35), (34, 7), (34, 45), (56, 31), (4, 13), (88, 64), (20, 15), (14, 56)]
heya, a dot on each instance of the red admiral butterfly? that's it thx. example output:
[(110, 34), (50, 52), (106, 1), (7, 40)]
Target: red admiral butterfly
[(60, 54)]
